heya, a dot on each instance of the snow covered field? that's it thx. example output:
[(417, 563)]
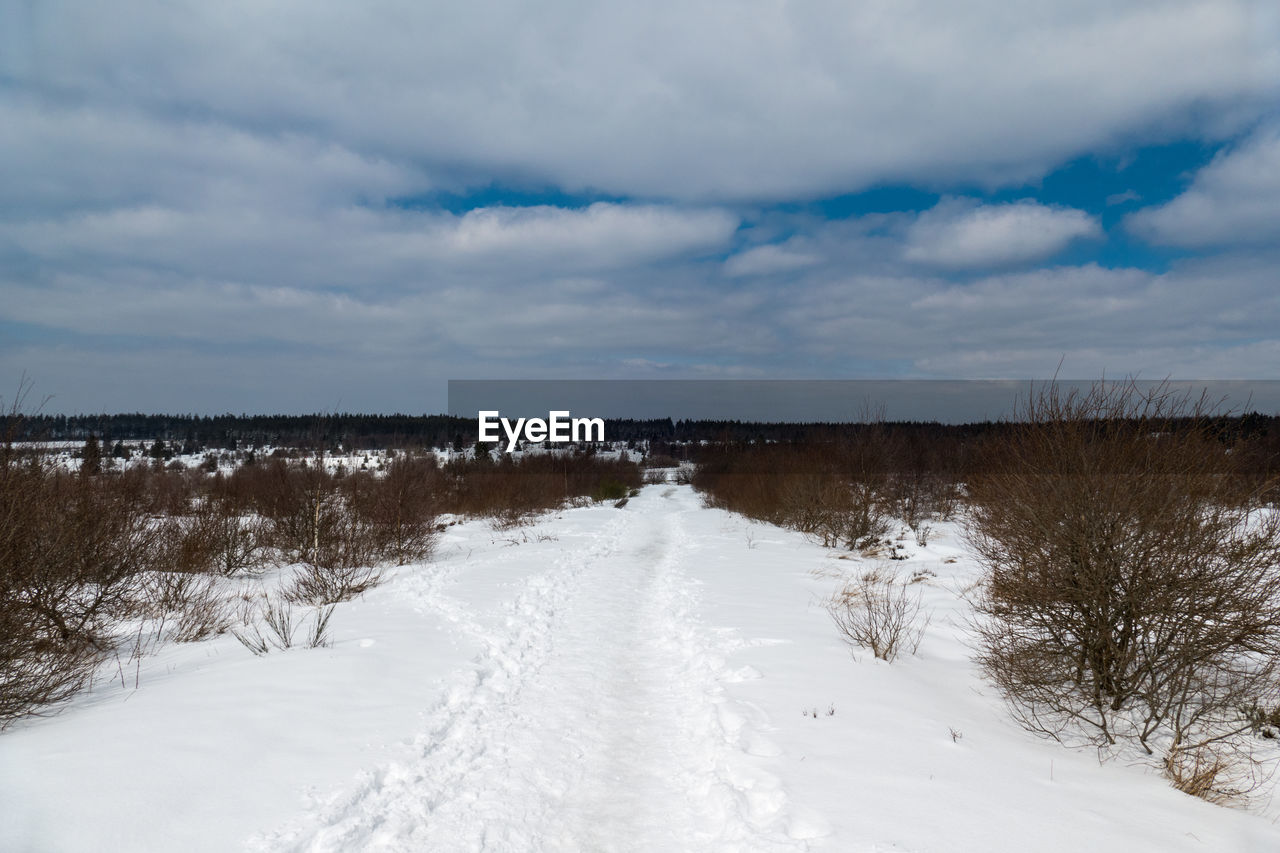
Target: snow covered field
[(656, 677)]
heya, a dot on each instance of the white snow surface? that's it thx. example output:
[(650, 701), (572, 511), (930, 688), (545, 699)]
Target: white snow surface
[(643, 678)]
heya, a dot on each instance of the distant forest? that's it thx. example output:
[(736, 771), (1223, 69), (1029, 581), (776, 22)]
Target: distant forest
[(373, 432)]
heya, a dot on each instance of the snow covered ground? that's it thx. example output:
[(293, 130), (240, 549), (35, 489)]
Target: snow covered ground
[(656, 677)]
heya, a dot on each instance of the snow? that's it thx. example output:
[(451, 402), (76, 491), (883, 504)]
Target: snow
[(657, 677)]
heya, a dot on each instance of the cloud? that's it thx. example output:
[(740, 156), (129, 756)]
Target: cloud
[(616, 233), (768, 259), (138, 334), (367, 248), (96, 156), (959, 234), (1235, 200), (209, 189), (1207, 318), (725, 100), (1122, 198)]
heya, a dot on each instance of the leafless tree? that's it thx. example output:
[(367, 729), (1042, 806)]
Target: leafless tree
[(1131, 590)]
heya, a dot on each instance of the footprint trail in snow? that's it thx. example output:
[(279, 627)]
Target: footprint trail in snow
[(592, 720)]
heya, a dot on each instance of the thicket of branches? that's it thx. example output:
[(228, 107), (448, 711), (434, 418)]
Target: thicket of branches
[(1132, 587), (510, 489), (878, 611), (86, 554), (842, 493)]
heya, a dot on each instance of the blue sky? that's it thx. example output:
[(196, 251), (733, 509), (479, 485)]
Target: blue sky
[(306, 206)]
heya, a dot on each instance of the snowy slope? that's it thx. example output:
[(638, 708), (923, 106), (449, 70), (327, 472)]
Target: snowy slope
[(643, 678)]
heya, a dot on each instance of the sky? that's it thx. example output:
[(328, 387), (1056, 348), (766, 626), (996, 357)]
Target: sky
[(310, 206)]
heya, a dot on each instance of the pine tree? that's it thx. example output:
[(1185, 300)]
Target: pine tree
[(91, 457)]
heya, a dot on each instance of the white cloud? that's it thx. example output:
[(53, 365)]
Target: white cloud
[(370, 248), (768, 260), (959, 234), (614, 233), (55, 158), (1235, 200), (225, 176), (1210, 318), (719, 99), (1213, 317)]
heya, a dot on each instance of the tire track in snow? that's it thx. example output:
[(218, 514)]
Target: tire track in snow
[(593, 719)]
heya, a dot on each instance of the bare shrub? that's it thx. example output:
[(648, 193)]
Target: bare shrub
[(269, 621), (876, 610), (1131, 591), (1219, 773), (654, 476), (513, 489), (73, 553), (833, 492), (249, 633), (318, 635), (265, 621), (224, 536), (277, 615), (201, 606), (300, 503), (660, 460), (836, 513), (38, 671), (319, 585), (342, 528), (402, 507)]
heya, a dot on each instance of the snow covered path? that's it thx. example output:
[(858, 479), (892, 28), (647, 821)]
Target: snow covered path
[(594, 720), (660, 678)]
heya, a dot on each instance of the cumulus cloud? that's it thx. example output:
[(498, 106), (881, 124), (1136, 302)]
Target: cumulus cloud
[(1209, 318), (1212, 317), (368, 248), (769, 259), (960, 234), (1235, 200), (724, 100), (210, 189), (613, 232), (56, 157)]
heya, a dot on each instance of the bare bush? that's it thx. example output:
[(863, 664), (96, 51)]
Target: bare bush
[(832, 492), (222, 536), (1131, 591), (265, 621), (876, 610), (512, 490), (197, 603), (402, 507), (1223, 772), (319, 585), (318, 635), (268, 621), (38, 671), (654, 476), (73, 554), (250, 635), (300, 503), (277, 614)]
